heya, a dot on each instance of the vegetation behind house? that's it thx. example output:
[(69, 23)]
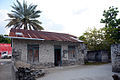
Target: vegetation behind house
[(102, 38), (4, 40)]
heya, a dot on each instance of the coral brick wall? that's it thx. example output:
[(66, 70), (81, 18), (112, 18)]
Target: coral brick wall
[(115, 56), (46, 51)]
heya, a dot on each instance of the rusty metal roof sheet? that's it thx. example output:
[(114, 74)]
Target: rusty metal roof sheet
[(42, 35)]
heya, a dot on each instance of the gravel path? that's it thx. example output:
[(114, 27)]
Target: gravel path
[(98, 72)]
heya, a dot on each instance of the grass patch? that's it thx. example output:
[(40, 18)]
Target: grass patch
[(95, 63)]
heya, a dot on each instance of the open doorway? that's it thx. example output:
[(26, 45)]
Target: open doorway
[(57, 55)]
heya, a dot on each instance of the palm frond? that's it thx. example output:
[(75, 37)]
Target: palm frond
[(37, 26), (19, 4), (18, 14), (11, 15), (12, 22), (24, 16), (36, 21)]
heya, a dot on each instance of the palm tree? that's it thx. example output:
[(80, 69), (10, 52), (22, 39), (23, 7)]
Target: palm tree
[(24, 16)]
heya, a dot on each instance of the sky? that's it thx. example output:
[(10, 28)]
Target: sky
[(64, 16)]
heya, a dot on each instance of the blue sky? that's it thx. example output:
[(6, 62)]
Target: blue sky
[(66, 16), (5, 4), (5, 7)]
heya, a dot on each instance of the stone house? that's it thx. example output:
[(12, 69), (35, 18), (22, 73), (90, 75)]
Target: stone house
[(47, 48), (97, 56)]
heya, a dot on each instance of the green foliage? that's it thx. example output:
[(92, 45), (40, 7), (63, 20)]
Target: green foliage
[(95, 39), (112, 24), (103, 38), (110, 17), (24, 16), (4, 40)]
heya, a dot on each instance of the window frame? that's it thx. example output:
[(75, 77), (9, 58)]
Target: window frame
[(72, 55), (32, 47)]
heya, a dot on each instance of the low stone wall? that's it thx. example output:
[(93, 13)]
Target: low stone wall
[(97, 56), (115, 56), (105, 56)]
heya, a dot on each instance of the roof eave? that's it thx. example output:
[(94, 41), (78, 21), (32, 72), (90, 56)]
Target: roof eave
[(22, 38)]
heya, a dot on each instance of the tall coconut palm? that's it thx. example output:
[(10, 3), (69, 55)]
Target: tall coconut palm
[(24, 16)]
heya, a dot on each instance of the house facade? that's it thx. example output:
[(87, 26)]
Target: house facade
[(47, 48)]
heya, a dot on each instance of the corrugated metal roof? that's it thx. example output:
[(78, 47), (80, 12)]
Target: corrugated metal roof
[(42, 35)]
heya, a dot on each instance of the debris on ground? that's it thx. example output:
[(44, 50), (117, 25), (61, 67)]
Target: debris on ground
[(22, 64), (29, 74)]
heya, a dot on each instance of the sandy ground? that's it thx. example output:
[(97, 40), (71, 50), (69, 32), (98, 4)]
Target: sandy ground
[(96, 72), (5, 70)]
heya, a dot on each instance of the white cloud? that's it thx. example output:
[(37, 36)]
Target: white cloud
[(73, 16), (3, 22)]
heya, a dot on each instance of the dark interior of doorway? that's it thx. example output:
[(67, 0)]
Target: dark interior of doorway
[(57, 53)]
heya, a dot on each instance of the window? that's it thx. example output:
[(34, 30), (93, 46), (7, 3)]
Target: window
[(33, 53), (71, 52)]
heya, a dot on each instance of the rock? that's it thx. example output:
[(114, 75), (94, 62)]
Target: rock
[(38, 73), (24, 74), (116, 77), (29, 74)]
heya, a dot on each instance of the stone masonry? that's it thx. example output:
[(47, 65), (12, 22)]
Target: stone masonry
[(115, 56), (46, 51), (97, 56)]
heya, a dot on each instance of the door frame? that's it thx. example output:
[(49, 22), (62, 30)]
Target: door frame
[(57, 47)]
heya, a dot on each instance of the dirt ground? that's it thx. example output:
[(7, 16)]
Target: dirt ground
[(5, 70), (89, 72), (77, 72)]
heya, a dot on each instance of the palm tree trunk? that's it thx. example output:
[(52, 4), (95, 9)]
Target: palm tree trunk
[(25, 26)]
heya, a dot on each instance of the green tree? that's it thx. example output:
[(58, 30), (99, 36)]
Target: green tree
[(4, 40), (95, 39), (24, 16), (112, 24)]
